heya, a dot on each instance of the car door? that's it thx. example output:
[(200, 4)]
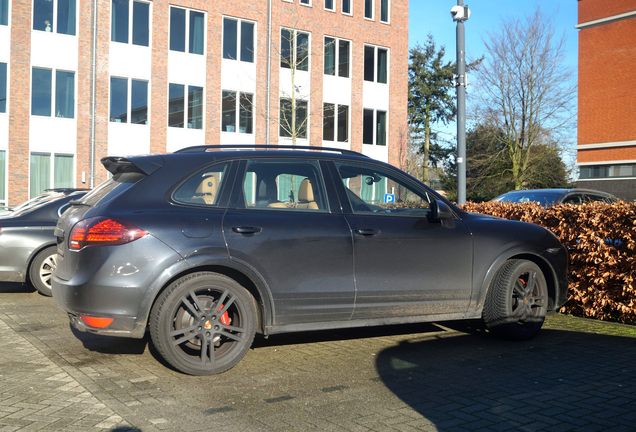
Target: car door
[(282, 224), (405, 264)]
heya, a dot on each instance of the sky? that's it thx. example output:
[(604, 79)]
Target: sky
[(433, 16)]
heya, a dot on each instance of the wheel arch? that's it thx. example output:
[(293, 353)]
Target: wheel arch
[(29, 263), (252, 282), (546, 268)]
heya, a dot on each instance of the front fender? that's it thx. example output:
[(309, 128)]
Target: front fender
[(478, 300)]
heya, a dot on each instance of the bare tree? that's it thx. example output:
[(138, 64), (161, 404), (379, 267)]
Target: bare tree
[(526, 91)]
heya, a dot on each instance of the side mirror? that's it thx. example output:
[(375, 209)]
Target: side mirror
[(440, 211)]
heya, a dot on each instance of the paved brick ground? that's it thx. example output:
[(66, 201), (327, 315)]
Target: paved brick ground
[(406, 378)]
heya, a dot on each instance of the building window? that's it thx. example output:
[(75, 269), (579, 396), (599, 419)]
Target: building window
[(4, 12), (41, 93), (376, 71), (187, 25), (234, 103), (41, 170), (238, 39), (63, 171), (121, 105), (607, 171), (330, 5), (384, 10), (177, 102), (40, 173), (121, 26), (53, 16), (305, 2), (293, 126), (335, 126), (195, 107), (368, 8), (337, 53), (346, 7), (3, 186), (3, 88), (294, 50), (374, 127)]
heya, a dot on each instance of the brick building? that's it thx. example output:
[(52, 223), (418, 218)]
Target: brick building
[(83, 79), (607, 96)]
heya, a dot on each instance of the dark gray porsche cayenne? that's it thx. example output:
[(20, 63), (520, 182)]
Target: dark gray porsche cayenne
[(206, 248)]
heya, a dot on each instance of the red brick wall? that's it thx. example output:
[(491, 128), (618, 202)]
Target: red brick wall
[(590, 10), (19, 102), (606, 75)]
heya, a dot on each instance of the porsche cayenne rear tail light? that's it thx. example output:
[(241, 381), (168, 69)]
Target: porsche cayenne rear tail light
[(102, 231)]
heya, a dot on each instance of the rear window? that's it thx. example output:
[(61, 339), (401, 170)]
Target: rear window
[(119, 182), (204, 187)]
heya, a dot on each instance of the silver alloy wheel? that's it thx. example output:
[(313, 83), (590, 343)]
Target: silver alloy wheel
[(47, 268)]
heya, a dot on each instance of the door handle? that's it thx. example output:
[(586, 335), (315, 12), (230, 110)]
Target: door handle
[(366, 231), (246, 229)]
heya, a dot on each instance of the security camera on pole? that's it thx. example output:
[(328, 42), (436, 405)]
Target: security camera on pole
[(461, 13)]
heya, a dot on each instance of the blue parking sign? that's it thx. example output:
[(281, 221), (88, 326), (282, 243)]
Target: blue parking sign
[(389, 198)]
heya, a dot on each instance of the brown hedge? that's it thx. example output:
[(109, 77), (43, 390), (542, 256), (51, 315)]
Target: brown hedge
[(601, 239)]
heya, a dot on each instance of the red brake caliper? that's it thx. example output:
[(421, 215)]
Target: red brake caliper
[(225, 318)]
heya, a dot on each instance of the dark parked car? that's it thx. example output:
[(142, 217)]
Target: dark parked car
[(548, 197), (206, 248), (27, 244)]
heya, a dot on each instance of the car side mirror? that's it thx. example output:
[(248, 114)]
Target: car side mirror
[(440, 211)]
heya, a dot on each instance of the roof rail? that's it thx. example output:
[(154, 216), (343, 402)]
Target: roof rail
[(203, 148)]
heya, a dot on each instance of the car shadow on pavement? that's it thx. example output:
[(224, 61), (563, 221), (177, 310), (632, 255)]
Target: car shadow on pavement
[(109, 344), (342, 334), (560, 380), (15, 287)]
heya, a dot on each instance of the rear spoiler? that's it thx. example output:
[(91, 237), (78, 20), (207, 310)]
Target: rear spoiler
[(143, 164)]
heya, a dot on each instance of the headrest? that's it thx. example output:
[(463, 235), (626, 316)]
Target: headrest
[(306, 191), (208, 188)]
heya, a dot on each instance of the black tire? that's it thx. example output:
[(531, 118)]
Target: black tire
[(517, 301), (41, 270), (194, 339)]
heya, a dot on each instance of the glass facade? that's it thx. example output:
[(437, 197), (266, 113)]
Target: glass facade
[(63, 171), (41, 92), (176, 105), (139, 102), (118, 100), (64, 94), (3, 87), (40, 173)]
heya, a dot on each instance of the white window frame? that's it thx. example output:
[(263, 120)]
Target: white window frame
[(364, 12), (375, 129), (186, 49), (237, 112), (130, 24), (306, 3), (53, 92), (186, 100), (388, 5), (350, 13), (54, 26), (336, 121), (52, 156), (295, 51), (333, 2), (129, 100), (337, 57), (239, 36), (375, 63)]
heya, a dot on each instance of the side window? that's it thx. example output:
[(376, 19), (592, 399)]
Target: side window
[(204, 187), (284, 185), (374, 191), (572, 199), (594, 198)]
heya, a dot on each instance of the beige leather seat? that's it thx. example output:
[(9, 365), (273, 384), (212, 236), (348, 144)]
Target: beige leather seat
[(208, 189), (306, 199)]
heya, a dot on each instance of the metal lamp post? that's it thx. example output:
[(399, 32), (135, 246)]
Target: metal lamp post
[(460, 14)]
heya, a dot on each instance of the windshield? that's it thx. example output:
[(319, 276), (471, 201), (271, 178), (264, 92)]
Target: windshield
[(545, 198)]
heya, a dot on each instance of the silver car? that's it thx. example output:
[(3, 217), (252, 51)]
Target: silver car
[(27, 244)]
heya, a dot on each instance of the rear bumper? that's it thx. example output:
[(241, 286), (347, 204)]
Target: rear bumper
[(112, 282)]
